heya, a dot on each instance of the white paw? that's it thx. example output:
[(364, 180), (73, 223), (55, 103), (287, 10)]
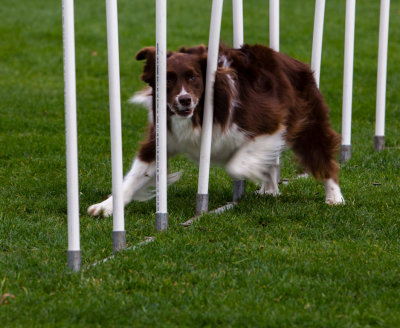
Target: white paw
[(335, 200), (268, 191), (333, 193), (104, 208)]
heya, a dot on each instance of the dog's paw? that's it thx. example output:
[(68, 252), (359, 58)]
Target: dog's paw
[(104, 208), (268, 191), (338, 200), (333, 193)]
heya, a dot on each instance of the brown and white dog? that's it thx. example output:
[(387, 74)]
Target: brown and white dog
[(263, 101)]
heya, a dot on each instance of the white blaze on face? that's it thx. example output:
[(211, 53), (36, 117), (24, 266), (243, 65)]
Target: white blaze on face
[(183, 93)]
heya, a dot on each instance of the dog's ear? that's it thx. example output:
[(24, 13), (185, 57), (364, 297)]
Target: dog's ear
[(146, 53), (197, 50), (149, 70)]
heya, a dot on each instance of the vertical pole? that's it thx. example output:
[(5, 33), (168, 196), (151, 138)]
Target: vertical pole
[(274, 24), (118, 234), (74, 251), (379, 140), (206, 134), (317, 39), (161, 115), (274, 44), (345, 152), (239, 186), (237, 10)]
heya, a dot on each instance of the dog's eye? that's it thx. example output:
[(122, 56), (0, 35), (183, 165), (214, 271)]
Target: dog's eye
[(171, 78), (192, 78)]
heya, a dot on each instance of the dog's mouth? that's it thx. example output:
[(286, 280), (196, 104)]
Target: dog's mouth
[(182, 111), (185, 112)]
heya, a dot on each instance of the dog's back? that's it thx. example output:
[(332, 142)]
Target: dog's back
[(275, 91)]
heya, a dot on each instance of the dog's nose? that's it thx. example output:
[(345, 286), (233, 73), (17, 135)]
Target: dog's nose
[(185, 100)]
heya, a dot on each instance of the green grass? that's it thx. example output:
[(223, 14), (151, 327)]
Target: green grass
[(270, 262)]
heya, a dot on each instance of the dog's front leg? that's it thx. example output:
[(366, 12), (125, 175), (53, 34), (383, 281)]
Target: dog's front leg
[(136, 182), (270, 180)]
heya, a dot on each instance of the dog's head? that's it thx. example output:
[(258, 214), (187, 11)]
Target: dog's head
[(185, 77)]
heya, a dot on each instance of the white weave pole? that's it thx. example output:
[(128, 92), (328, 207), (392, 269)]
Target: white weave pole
[(206, 134), (161, 116), (237, 11), (74, 251), (345, 152), (239, 186), (274, 24), (274, 44), (317, 39), (379, 139), (119, 233)]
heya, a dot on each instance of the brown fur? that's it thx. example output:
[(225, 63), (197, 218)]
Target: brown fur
[(271, 90)]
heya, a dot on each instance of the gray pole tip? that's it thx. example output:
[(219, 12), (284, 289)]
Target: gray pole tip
[(74, 260)]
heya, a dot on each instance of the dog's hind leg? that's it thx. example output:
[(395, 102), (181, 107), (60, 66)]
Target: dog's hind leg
[(315, 143), (317, 156), (333, 193)]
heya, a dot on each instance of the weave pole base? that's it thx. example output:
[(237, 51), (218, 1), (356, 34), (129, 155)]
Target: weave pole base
[(118, 240), (379, 143), (218, 210), (201, 203), (161, 221), (74, 260), (345, 153), (239, 188)]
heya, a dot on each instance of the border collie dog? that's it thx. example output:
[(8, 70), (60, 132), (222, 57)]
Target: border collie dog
[(263, 101)]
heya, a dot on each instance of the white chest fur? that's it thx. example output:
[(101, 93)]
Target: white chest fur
[(184, 138)]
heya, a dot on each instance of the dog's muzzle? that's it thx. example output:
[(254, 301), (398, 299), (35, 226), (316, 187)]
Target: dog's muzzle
[(183, 106)]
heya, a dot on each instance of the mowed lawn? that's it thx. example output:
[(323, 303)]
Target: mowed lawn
[(270, 262)]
